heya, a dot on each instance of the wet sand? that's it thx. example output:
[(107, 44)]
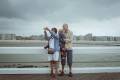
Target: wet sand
[(98, 76), (35, 43)]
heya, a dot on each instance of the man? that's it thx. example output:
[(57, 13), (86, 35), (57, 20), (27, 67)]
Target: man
[(68, 50)]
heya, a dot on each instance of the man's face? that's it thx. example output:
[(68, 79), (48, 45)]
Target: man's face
[(65, 27)]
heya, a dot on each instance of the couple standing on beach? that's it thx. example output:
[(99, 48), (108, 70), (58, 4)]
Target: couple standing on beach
[(60, 43)]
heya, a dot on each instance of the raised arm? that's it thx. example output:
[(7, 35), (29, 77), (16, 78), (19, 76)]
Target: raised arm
[(53, 34), (46, 36)]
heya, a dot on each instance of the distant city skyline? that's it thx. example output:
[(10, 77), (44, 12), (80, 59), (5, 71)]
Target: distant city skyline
[(28, 17), (49, 34), (87, 37)]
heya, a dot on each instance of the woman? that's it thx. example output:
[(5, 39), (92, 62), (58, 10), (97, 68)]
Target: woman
[(53, 42), (62, 49)]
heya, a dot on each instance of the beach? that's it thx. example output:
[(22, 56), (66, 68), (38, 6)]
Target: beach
[(39, 43), (81, 59), (98, 76)]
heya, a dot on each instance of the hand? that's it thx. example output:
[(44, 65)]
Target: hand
[(63, 31), (47, 29), (44, 29), (63, 49)]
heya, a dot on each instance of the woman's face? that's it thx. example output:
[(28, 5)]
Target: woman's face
[(52, 29)]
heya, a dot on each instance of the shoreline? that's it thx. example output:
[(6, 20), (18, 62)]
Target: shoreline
[(26, 43)]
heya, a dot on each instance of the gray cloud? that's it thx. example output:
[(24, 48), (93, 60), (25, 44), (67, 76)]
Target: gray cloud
[(7, 10), (17, 15), (59, 9)]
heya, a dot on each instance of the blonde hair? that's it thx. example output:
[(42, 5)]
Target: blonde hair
[(65, 24)]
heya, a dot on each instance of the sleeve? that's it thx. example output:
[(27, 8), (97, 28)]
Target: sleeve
[(54, 35), (46, 35)]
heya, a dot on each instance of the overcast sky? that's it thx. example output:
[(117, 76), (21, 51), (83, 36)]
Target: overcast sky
[(28, 17)]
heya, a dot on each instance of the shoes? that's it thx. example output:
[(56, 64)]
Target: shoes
[(70, 74), (61, 74), (53, 77), (51, 74)]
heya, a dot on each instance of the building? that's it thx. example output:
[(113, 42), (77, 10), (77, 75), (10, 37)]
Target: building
[(37, 37), (117, 38), (81, 37), (75, 38), (88, 37), (105, 38), (7, 37), (0, 36), (111, 38), (100, 38)]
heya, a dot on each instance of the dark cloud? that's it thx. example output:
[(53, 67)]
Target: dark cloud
[(28, 8), (7, 10), (18, 15), (106, 2), (56, 10)]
